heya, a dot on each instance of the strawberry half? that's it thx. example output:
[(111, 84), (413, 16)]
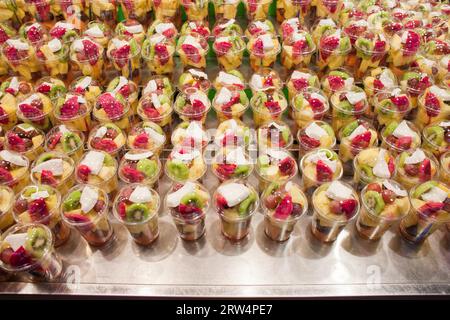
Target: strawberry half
[(336, 83), (38, 209), (5, 176), (430, 208), (404, 143), (432, 105), (362, 140), (19, 258), (348, 207), (311, 143), (300, 84)]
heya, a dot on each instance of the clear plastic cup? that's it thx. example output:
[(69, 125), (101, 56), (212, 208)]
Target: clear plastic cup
[(225, 9), (40, 10), (309, 105), (407, 174), (23, 214), (147, 135), (393, 143), (445, 168), (195, 10), (328, 8), (91, 65), (307, 143), (105, 142), (165, 9), (103, 37), (263, 112), (95, 229), (53, 64), (103, 10), (229, 58), (363, 172), (89, 88), (369, 58), (140, 218), (343, 116), (390, 106), (257, 9), (79, 120), (26, 66), (120, 118), (30, 151), (185, 164), (288, 9), (69, 142), (8, 117), (53, 88), (227, 164), (135, 9), (260, 59), (43, 265), (20, 174), (145, 111), (332, 58), (294, 57), (127, 63), (275, 134), (193, 55), (140, 166), (404, 45), (432, 109), (37, 110), (159, 56), (192, 105), (233, 108)]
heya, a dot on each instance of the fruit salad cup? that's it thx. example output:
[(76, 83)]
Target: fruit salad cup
[(301, 79), (321, 26), (36, 109), (164, 28), (334, 46), (85, 208), (87, 87), (146, 135), (53, 88), (265, 79), (318, 167), (337, 80), (232, 133), (328, 8), (191, 134), (125, 54), (140, 166), (335, 205), (290, 26), (257, 9), (157, 108), (404, 46), (275, 165), (267, 105), (14, 171), (434, 106), (136, 206), (315, 135), (383, 204), (33, 32), (136, 9), (416, 167), (308, 105), (6, 204), (378, 80), (372, 165), (194, 78), (65, 31), (54, 58), (436, 138), (165, 8), (225, 27), (430, 210), (157, 52), (127, 89), (103, 10), (371, 48), (53, 169), (443, 67), (98, 32), (192, 105), (231, 163), (107, 137), (195, 9), (445, 168), (185, 164), (415, 83), (230, 104), (87, 55), (258, 27), (131, 28), (399, 137), (12, 89), (347, 106), (235, 201), (99, 169), (64, 140), (188, 204), (354, 138), (8, 116), (201, 27), (225, 9), (25, 139), (283, 204), (233, 80), (263, 50), (192, 50), (274, 135), (40, 204), (74, 111), (290, 9), (112, 108), (229, 50), (28, 250), (298, 49), (20, 56), (389, 106)]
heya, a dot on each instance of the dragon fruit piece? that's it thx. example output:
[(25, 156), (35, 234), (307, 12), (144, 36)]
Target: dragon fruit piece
[(107, 145), (222, 47), (191, 52), (323, 172), (16, 142), (30, 111), (38, 209), (70, 108), (430, 208), (432, 105), (162, 53), (286, 166), (122, 209), (362, 140), (132, 174), (311, 143), (189, 209), (121, 55), (19, 258), (258, 48), (34, 34), (226, 170), (5, 176), (336, 83), (425, 170), (284, 208), (3, 36), (44, 88), (404, 143), (141, 141), (348, 207), (90, 50), (300, 84), (58, 32), (48, 178)]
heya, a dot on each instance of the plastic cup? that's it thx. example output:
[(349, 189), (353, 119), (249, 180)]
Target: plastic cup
[(198, 160), (304, 148), (266, 59), (225, 9), (22, 179), (28, 66), (360, 179), (164, 120), (103, 10), (229, 59), (270, 135), (192, 115), (40, 10), (224, 114), (197, 59), (386, 113), (409, 182), (427, 114), (55, 66), (325, 227), (328, 8), (220, 159), (89, 66), (195, 10), (52, 220), (96, 232), (113, 151), (122, 120), (135, 9), (159, 62), (143, 232), (127, 66), (31, 153), (261, 114), (369, 59), (445, 168), (400, 56), (6, 215), (165, 9), (8, 119), (79, 122), (47, 267), (304, 114), (264, 180), (331, 59), (75, 153), (293, 58), (42, 121), (126, 175), (148, 144), (257, 9), (385, 143), (342, 117), (287, 9)]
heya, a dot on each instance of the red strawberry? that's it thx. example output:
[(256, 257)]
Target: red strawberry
[(222, 47), (284, 208), (125, 90), (258, 48), (377, 84), (169, 33), (425, 170), (151, 112), (323, 172), (58, 32), (16, 142), (19, 258), (226, 170), (430, 208), (300, 84), (432, 105), (12, 54), (286, 29), (191, 52), (48, 178), (162, 53), (286, 166), (38, 209), (401, 102), (29, 111), (5, 176), (122, 209), (111, 106), (121, 55), (132, 174), (311, 143), (404, 143), (53, 140), (34, 34), (90, 49), (70, 108), (83, 172), (299, 47), (336, 83), (44, 88), (141, 141), (348, 207), (75, 217), (362, 140)]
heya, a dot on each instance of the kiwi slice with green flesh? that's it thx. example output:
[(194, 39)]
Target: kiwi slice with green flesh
[(309, 40), (147, 167), (108, 161), (271, 188), (36, 242), (387, 107), (312, 81), (134, 47), (364, 47), (183, 78), (298, 101), (244, 206), (4, 86), (236, 73), (285, 134), (328, 129), (178, 169), (69, 36), (350, 128), (340, 74), (374, 201), (70, 141), (72, 202), (57, 91), (410, 75), (243, 97), (389, 129), (164, 99), (44, 158), (366, 170), (435, 134), (241, 170), (194, 199), (424, 187), (346, 106), (402, 159), (330, 154), (113, 84), (263, 161), (137, 212), (180, 102)]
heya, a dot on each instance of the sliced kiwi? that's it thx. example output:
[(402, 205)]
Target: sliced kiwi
[(72, 201), (180, 102), (263, 161), (374, 201), (147, 166), (435, 134), (45, 158), (108, 161), (241, 170), (178, 169), (424, 187), (57, 91), (237, 74), (410, 75), (243, 97), (340, 74), (402, 159), (367, 170), (36, 242), (192, 198), (285, 134), (137, 212), (113, 84), (389, 129), (271, 188), (244, 206), (328, 129), (309, 40), (70, 141), (350, 128)]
